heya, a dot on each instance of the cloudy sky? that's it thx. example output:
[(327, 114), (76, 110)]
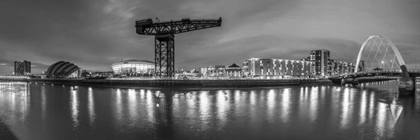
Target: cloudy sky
[(93, 34)]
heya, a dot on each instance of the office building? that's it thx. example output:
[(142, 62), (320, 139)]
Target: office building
[(22, 68)]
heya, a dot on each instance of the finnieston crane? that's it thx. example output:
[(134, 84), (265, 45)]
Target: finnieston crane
[(164, 33)]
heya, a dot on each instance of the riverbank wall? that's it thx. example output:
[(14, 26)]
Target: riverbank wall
[(178, 83)]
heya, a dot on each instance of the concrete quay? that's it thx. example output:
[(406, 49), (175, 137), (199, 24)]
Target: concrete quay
[(177, 83)]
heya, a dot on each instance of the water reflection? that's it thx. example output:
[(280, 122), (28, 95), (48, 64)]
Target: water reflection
[(363, 103), (313, 104), (222, 107), (74, 104), (91, 105), (43, 102), (14, 101), (342, 112), (132, 106), (285, 105)]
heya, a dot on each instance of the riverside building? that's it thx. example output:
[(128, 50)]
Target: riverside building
[(22, 68), (277, 68), (133, 67), (340, 67), (321, 61)]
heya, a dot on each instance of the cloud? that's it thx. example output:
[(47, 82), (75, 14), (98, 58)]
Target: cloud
[(94, 34)]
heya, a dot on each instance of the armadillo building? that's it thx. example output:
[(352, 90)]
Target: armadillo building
[(133, 67), (62, 69)]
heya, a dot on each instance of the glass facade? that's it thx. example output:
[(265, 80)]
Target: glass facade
[(133, 67)]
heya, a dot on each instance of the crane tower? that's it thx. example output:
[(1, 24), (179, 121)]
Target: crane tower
[(164, 33)]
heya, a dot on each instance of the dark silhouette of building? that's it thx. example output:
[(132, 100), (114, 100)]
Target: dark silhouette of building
[(22, 68), (234, 70), (62, 69)]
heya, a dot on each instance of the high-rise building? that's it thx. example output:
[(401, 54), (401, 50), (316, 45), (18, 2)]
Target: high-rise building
[(22, 68), (321, 61)]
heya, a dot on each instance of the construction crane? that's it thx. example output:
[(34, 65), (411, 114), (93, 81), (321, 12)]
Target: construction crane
[(164, 39)]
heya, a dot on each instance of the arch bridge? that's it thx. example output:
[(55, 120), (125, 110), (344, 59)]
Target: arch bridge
[(378, 56)]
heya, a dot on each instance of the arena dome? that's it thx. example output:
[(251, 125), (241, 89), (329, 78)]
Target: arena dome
[(62, 69), (133, 67)]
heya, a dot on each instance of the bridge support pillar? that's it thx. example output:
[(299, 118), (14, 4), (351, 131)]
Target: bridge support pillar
[(407, 87)]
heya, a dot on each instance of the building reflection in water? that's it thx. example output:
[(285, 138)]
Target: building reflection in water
[(74, 105), (222, 106), (43, 102), (313, 104), (14, 101), (132, 106), (204, 105), (337, 107), (363, 106), (285, 105), (371, 105), (204, 109), (252, 106), (345, 108), (91, 106), (271, 102), (118, 106)]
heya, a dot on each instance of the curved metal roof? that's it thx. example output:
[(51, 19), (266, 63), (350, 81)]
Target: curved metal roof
[(138, 61), (61, 69)]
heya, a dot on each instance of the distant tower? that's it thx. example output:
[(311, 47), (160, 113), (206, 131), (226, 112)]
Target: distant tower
[(22, 68)]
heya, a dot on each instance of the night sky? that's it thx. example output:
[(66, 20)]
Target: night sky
[(93, 34)]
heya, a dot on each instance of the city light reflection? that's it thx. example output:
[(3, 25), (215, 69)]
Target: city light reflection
[(371, 105), (204, 106), (341, 109), (285, 105), (381, 119), (363, 103), (142, 94), (118, 106), (74, 104), (132, 106), (313, 104), (15, 101), (222, 107), (252, 97), (346, 109), (271, 102), (43, 102), (91, 105), (150, 105)]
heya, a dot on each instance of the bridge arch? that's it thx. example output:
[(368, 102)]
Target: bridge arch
[(387, 57)]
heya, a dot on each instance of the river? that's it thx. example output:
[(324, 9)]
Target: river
[(51, 112)]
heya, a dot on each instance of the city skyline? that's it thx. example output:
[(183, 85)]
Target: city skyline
[(94, 35)]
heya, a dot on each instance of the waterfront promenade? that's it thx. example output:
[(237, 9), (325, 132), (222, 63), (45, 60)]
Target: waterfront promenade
[(176, 82)]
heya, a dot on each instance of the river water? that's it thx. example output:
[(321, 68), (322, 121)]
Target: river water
[(52, 112)]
